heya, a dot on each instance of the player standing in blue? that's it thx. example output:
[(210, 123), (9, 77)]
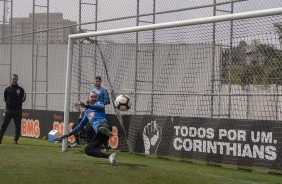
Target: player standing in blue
[(95, 115), (100, 91)]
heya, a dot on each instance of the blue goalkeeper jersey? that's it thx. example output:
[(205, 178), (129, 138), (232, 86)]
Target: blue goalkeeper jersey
[(95, 115), (102, 94)]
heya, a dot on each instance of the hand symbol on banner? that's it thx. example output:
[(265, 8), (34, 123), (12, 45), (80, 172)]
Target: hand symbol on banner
[(152, 137)]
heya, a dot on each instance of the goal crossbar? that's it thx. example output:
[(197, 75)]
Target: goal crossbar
[(190, 22)]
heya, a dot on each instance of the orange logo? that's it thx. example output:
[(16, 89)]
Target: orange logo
[(90, 116), (30, 128), (60, 127), (113, 141), (25, 114)]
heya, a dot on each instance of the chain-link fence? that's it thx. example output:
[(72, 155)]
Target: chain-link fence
[(34, 34)]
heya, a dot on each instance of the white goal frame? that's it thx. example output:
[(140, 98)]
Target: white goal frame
[(205, 20)]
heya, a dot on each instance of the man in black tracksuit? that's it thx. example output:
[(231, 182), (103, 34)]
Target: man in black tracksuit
[(14, 96)]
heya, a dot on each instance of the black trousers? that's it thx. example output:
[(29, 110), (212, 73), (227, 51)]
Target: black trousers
[(93, 148), (87, 133), (16, 115)]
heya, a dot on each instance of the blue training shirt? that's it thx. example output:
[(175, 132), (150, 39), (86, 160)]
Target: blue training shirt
[(102, 94), (95, 115)]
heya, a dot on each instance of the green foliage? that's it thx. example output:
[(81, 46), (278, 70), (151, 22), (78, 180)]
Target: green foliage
[(38, 161), (261, 65)]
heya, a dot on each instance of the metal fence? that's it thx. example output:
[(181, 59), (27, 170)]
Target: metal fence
[(31, 31)]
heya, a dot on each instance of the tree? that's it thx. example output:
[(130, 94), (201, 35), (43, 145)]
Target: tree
[(253, 64), (278, 27)]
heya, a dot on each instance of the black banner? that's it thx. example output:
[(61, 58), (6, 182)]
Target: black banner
[(38, 123), (239, 142)]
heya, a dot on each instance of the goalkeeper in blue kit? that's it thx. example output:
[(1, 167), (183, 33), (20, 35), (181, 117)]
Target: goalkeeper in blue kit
[(95, 115)]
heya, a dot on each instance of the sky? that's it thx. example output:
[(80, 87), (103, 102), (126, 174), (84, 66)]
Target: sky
[(109, 9), (118, 8)]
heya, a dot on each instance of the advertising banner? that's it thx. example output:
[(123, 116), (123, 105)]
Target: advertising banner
[(238, 142), (38, 123), (221, 141)]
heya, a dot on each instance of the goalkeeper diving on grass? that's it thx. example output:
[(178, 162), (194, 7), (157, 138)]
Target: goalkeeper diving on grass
[(96, 117)]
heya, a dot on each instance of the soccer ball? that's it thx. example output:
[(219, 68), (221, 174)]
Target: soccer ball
[(123, 102)]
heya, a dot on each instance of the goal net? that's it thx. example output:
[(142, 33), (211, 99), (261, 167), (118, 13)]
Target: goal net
[(217, 67)]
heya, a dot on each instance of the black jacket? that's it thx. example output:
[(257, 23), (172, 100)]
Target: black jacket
[(14, 96)]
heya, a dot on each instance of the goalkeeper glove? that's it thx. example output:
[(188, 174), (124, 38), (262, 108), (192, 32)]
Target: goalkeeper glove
[(64, 136)]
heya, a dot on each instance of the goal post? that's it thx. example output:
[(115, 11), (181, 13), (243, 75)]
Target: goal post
[(67, 92), (92, 52)]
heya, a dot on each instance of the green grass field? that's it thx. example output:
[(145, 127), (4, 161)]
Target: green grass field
[(38, 161)]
